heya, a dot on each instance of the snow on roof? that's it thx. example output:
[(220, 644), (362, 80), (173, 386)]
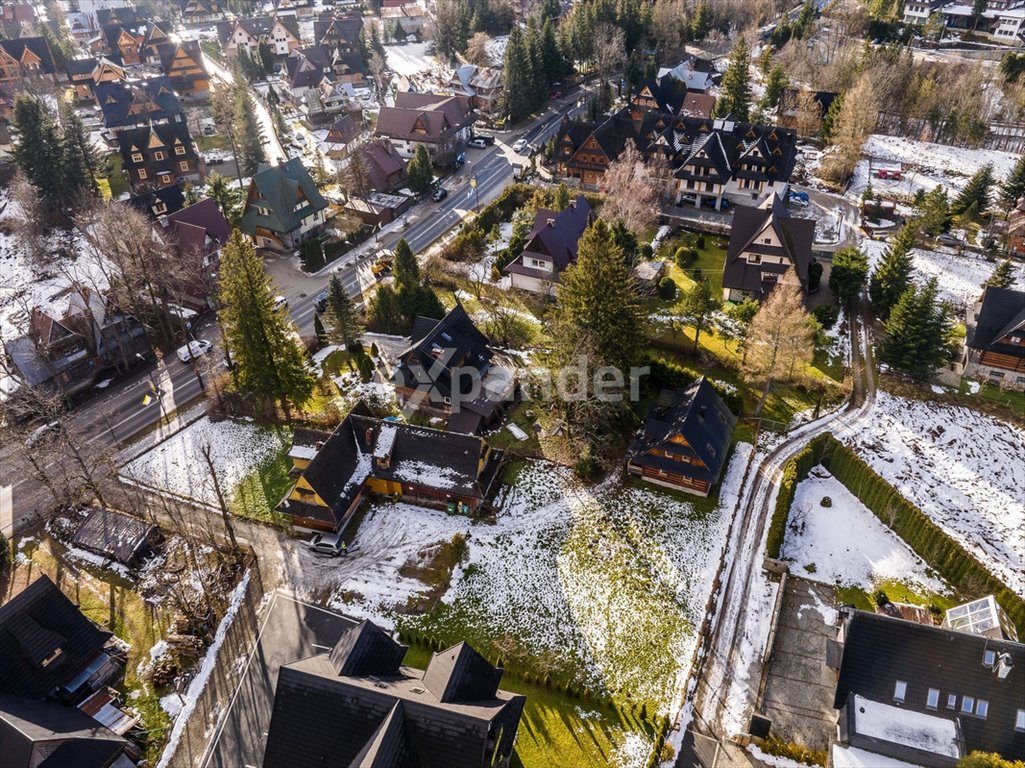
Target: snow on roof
[(917, 730), (385, 441), (851, 757), (302, 452), (422, 473)]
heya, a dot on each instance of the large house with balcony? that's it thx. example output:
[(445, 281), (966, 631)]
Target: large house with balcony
[(551, 247), (183, 64), (86, 74), (281, 33), (129, 104), (767, 246), (996, 339), (711, 159), (25, 57), (283, 206), (439, 121)]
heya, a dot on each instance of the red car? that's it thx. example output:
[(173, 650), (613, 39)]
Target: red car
[(555, 94)]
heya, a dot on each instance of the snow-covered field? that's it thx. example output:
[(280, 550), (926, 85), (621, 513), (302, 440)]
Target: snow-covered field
[(959, 278), (411, 59), (176, 465), (964, 469), (845, 543), (610, 580), (925, 165)]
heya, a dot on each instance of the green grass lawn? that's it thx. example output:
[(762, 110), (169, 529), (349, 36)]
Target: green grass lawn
[(558, 730), (259, 493), (898, 592), (115, 184), (206, 143), (506, 441)]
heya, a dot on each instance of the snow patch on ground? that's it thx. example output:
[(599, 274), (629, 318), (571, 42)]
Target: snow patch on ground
[(964, 469), (958, 277), (845, 543), (176, 464)]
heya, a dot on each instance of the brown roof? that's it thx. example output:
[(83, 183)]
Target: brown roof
[(697, 104), (796, 236), (424, 116)]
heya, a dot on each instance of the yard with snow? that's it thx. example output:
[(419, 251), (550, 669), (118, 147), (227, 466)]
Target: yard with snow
[(845, 544), (925, 165), (247, 458), (603, 586), (958, 277), (962, 468)]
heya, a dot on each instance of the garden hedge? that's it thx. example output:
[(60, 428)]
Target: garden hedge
[(943, 554)]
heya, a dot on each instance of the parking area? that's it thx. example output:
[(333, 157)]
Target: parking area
[(290, 630), (798, 695)]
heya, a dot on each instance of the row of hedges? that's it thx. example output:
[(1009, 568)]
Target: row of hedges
[(794, 471), (940, 552)]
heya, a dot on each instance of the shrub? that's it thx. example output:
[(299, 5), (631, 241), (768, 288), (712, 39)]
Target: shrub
[(826, 501), (5, 555), (826, 314), (666, 375), (881, 598), (587, 465), (700, 242), (797, 752), (667, 288), (794, 471), (684, 256), (645, 252)]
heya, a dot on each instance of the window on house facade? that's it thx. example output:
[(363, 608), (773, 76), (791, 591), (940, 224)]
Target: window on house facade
[(900, 690), (967, 705), (1019, 720), (165, 178), (184, 165), (179, 150), (989, 657), (143, 174), (263, 211), (136, 157), (932, 699), (952, 701), (981, 708), (158, 155)]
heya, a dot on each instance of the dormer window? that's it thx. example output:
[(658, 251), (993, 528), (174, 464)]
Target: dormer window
[(989, 658), (1019, 720), (981, 708), (179, 150), (932, 699), (967, 705), (952, 701), (136, 157)]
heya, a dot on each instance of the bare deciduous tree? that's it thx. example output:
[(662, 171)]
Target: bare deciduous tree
[(630, 191), (477, 49)]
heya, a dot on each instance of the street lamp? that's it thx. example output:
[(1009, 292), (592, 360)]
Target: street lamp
[(155, 389), (476, 192)]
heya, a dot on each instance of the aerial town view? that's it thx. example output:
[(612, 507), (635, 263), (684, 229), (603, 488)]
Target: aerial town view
[(512, 383)]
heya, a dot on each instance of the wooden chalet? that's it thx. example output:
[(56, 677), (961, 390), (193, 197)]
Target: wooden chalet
[(129, 104), (685, 440), (767, 246), (183, 64), (25, 57), (358, 706), (123, 42), (159, 155), (280, 33), (551, 247), (86, 74), (283, 206), (368, 455), (202, 11), (996, 339)]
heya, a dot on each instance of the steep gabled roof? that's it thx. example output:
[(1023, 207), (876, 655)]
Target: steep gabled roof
[(792, 238), (366, 649), (33, 626), (36, 47), (259, 27), (337, 29), (391, 745), (699, 416), (460, 674), (441, 345), (556, 235), (200, 227), (279, 188), (424, 116), (337, 472), (116, 100), (1001, 314), (383, 161), (168, 199), (158, 136)]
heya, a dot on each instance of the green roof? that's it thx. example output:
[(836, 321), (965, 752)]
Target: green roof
[(279, 186)]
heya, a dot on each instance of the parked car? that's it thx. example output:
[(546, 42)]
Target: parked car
[(194, 349), (555, 94), (520, 145), (439, 194), (477, 143), (320, 302), (330, 544), (800, 195), (461, 158), (688, 199), (946, 239), (798, 201), (709, 202), (489, 140), (280, 302)]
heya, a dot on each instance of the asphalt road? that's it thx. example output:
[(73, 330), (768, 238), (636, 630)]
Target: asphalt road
[(291, 630)]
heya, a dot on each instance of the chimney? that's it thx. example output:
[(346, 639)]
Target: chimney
[(550, 222), (1003, 666)]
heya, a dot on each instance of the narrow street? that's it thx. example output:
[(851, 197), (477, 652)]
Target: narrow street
[(275, 152)]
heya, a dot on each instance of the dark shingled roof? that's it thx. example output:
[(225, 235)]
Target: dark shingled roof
[(366, 649), (114, 535), (699, 415), (425, 117), (1002, 312), (879, 650), (172, 197), (795, 235), (388, 720), (33, 624), (36, 45), (259, 27), (438, 347), (555, 237), (460, 674), (84, 742), (116, 99)]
